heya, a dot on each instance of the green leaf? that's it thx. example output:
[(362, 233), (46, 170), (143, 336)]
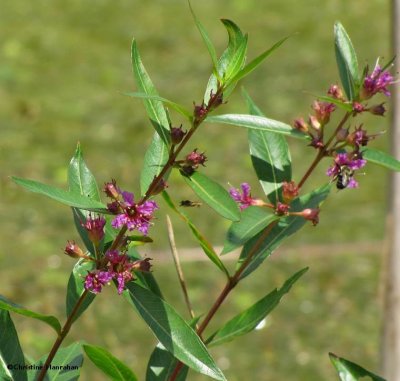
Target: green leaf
[(110, 365), (346, 60), (155, 159), (66, 365), (172, 331), (270, 156), (205, 245), (206, 39), (76, 288), (349, 371), (10, 350), (253, 220), (381, 158), (237, 61), (257, 123), (246, 70), (67, 198), (52, 321), (236, 38), (161, 365), (80, 178), (177, 107), (286, 227), (214, 195), (248, 320), (155, 109), (82, 181)]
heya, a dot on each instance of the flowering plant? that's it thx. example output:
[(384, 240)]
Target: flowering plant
[(258, 225)]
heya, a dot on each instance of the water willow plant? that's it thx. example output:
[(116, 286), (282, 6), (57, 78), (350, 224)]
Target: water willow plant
[(259, 225)]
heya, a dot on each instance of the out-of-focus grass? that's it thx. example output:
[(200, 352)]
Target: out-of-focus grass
[(63, 66)]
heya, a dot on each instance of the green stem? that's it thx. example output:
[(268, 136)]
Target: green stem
[(61, 336)]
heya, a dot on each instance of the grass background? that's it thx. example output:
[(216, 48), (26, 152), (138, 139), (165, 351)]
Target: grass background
[(63, 67)]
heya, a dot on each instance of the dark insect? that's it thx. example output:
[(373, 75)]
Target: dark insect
[(189, 204), (343, 177)]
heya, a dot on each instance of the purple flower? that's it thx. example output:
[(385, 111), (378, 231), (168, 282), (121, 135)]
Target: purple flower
[(244, 199), (134, 216), (95, 280), (377, 82)]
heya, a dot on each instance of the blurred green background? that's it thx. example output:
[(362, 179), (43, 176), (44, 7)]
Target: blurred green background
[(63, 67)]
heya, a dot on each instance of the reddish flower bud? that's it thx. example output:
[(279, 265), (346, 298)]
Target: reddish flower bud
[(315, 124), (335, 92), (177, 134), (111, 190), (301, 125), (323, 111), (114, 207), (282, 209), (215, 100), (194, 159), (142, 265), (73, 250), (358, 107), (377, 109), (95, 228), (311, 215), (199, 112), (289, 191)]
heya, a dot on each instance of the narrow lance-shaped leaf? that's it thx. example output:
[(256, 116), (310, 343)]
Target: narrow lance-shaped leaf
[(253, 220), (205, 245), (82, 181), (236, 38), (76, 288), (177, 107), (283, 229), (10, 350), (346, 59), (52, 321), (248, 320), (66, 365), (157, 154), (381, 158), (214, 195), (258, 123), (350, 371), (67, 198), (154, 108), (172, 331), (109, 364), (162, 364), (206, 39), (246, 70), (270, 156)]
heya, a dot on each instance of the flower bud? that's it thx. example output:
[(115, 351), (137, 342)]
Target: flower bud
[(73, 250), (161, 185), (281, 209), (315, 124), (95, 228), (311, 215), (199, 112), (177, 134), (111, 190), (300, 125), (194, 159), (377, 109), (342, 134), (289, 191), (142, 265), (323, 111), (358, 107), (335, 92)]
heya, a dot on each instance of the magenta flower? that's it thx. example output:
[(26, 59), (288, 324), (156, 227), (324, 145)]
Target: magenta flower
[(134, 216), (377, 82), (244, 199), (95, 280)]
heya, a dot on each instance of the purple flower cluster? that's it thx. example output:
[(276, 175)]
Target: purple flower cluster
[(133, 215), (377, 82), (346, 160), (118, 267), (244, 199)]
